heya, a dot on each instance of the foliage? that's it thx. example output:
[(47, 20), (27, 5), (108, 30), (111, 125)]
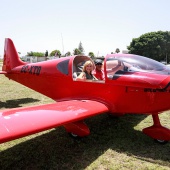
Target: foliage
[(117, 50), (80, 47), (155, 45), (68, 53), (91, 54), (76, 51), (55, 53), (37, 54)]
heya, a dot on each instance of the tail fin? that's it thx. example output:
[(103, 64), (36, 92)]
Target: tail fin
[(11, 57)]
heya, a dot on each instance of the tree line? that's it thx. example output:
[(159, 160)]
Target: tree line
[(76, 51)]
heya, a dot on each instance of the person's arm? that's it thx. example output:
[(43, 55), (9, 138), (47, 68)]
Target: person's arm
[(82, 76), (94, 77), (114, 69)]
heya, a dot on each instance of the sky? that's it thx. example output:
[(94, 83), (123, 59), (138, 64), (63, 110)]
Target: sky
[(100, 25)]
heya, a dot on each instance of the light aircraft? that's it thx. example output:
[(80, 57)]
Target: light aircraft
[(133, 85)]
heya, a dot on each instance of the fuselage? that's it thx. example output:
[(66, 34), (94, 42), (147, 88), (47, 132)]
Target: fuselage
[(130, 92)]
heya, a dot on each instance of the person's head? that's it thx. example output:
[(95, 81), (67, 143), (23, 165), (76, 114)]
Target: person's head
[(88, 66), (98, 64)]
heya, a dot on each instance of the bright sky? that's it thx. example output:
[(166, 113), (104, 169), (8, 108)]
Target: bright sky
[(101, 25)]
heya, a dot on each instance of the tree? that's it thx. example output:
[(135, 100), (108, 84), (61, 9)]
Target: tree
[(68, 53), (30, 53), (37, 54), (76, 51), (55, 52), (117, 50), (155, 45), (80, 47), (91, 54)]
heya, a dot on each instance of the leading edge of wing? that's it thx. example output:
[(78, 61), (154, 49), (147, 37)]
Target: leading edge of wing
[(19, 122)]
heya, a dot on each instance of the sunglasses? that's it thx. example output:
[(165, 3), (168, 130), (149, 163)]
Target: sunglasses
[(99, 64)]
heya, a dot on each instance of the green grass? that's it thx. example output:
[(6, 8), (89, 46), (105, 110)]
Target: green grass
[(114, 144)]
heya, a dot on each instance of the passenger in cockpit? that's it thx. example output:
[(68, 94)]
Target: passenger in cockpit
[(87, 72), (98, 71)]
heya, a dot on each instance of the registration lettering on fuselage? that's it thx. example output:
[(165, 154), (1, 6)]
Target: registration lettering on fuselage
[(31, 69)]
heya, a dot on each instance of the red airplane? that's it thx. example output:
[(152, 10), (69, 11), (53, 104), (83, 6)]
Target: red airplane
[(133, 85)]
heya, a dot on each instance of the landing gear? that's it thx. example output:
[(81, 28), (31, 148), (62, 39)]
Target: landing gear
[(77, 129), (159, 133), (162, 142), (74, 136)]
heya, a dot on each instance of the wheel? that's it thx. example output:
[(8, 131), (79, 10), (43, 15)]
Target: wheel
[(161, 141), (74, 136)]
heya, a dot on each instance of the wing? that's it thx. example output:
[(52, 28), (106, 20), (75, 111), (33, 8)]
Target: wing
[(19, 122)]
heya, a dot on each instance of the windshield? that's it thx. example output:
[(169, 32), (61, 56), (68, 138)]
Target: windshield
[(133, 63)]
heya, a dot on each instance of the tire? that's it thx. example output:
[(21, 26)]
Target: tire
[(74, 136), (162, 142)]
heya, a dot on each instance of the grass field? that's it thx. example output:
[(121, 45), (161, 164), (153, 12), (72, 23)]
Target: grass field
[(114, 144)]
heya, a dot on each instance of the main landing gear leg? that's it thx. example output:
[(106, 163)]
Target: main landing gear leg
[(77, 129), (159, 133)]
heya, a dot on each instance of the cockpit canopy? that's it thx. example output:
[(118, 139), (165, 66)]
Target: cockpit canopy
[(116, 65), (133, 63)]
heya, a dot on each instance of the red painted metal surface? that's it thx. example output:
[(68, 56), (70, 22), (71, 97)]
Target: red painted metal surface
[(19, 122), (79, 128), (141, 86), (157, 131)]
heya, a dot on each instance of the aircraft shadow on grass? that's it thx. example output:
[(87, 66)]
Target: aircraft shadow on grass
[(17, 102), (56, 150)]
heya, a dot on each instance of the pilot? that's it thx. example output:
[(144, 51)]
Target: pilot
[(98, 72), (114, 67), (87, 71)]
